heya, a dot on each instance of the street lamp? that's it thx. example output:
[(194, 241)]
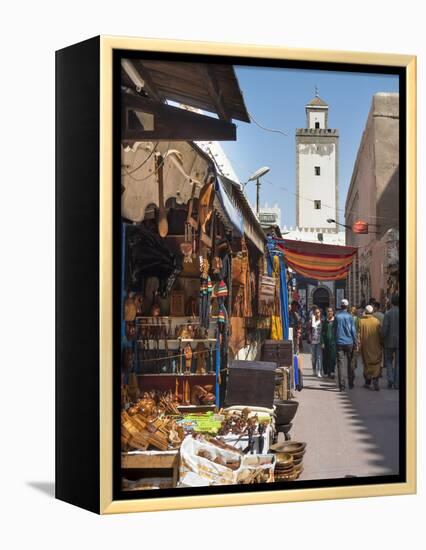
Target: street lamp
[(360, 226), (330, 220), (256, 176)]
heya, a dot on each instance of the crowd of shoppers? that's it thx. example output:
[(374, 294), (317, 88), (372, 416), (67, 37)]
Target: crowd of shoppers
[(339, 339)]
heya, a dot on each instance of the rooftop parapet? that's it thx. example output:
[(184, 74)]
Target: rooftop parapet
[(317, 132)]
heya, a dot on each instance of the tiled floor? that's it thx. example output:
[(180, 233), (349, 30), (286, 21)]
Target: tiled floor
[(351, 433)]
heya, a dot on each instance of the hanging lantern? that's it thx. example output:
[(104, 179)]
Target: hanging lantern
[(360, 227)]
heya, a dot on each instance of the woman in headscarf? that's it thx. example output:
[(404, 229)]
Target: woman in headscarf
[(371, 347)]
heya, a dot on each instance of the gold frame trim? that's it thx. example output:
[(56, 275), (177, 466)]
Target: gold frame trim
[(107, 45)]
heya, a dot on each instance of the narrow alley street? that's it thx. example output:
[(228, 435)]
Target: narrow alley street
[(353, 433)]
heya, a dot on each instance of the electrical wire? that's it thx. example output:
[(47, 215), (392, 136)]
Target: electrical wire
[(143, 162), (282, 188), (274, 130), (153, 173), (334, 207), (165, 156)]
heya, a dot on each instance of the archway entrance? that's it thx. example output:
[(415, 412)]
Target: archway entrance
[(321, 298)]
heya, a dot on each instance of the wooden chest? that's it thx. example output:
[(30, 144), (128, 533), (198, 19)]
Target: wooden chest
[(279, 352), (251, 383)]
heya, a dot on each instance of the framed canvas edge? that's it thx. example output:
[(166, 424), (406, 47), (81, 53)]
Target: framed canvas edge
[(107, 45), (248, 499)]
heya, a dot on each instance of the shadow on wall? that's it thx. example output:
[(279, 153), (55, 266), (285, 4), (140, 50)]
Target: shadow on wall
[(388, 205)]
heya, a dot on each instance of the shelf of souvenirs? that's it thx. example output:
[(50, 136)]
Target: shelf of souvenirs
[(188, 317), (178, 374), (196, 408), (183, 340)]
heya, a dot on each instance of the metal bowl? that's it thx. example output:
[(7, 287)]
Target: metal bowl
[(287, 477), (298, 456), (284, 459), (292, 447)]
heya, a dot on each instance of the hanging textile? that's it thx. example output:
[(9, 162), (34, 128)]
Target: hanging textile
[(206, 288), (283, 295), (322, 262), (237, 338), (297, 373), (276, 326), (223, 295), (241, 282), (284, 299), (217, 363)]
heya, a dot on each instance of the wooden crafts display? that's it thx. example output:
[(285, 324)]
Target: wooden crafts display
[(200, 357), (177, 303), (188, 358)]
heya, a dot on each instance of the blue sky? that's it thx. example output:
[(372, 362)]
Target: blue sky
[(276, 98)]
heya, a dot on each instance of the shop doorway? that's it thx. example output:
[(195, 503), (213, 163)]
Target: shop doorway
[(321, 298)]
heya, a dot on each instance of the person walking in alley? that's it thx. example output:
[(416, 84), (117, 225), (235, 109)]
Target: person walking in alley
[(390, 336), (314, 338), (355, 355), (377, 312), (346, 342), (328, 344), (371, 347)]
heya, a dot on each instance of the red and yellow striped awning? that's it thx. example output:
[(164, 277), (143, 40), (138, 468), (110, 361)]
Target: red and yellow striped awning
[(323, 262)]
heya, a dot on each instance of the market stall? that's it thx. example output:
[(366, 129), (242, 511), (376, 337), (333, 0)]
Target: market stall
[(193, 279), (197, 293)]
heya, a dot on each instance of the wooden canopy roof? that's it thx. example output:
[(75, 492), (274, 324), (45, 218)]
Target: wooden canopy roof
[(207, 86)]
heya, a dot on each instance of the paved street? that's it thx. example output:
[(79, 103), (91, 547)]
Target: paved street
[(351, 433)]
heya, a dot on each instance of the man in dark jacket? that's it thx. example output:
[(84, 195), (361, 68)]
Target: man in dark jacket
[(390, 336), (346, 342)]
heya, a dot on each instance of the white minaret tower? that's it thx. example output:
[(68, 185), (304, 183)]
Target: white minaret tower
[(316, 170)]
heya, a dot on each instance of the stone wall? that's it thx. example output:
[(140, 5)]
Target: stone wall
[(373, 196)]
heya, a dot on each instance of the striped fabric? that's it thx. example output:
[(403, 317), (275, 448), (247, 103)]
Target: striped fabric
[(323, 262)]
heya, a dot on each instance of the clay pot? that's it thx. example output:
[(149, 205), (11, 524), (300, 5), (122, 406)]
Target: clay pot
[(285, 428), (285, 411)]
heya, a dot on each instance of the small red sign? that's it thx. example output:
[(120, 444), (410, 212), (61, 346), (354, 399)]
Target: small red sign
[(360, 227)]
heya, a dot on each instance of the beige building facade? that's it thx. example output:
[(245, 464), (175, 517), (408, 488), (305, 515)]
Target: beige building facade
[(373, 197)]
